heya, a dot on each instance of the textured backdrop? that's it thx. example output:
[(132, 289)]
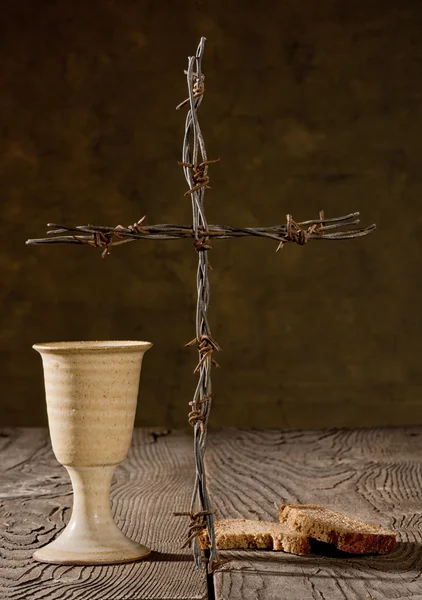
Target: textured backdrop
[(309, 105)]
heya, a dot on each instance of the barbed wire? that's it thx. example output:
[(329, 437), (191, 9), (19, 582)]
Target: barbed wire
[(99, 236), (195, 164)]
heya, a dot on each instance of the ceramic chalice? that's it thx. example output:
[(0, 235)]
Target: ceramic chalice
[(91, 392)]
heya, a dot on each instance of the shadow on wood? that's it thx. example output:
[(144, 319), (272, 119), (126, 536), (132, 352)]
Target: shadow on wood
[(405, 556), (168, 557)]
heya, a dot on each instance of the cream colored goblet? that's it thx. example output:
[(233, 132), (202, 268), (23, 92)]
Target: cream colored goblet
[(91, 392)]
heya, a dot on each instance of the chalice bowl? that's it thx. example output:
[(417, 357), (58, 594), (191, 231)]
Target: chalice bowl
[(91, 393)]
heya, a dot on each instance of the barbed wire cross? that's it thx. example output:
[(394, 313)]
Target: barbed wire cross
[(195, 164)]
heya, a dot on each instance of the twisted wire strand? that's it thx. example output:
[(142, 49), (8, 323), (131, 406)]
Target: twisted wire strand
[(122, 235), (201, 404)]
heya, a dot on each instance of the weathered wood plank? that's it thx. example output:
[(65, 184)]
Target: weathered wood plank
[(35, 504), (375, 474)]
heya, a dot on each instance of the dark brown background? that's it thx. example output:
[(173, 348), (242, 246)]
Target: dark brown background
[(310, 105)]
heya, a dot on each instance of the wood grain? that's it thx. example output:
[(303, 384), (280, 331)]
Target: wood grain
[(374, 474), (35, 505)]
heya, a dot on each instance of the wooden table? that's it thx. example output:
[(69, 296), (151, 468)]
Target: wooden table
[(373, 473)]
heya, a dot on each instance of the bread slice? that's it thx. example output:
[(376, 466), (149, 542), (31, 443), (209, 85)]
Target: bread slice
[(346, 533), (241, 534)]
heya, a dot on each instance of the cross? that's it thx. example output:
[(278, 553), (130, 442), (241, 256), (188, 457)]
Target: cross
[(195, 164)]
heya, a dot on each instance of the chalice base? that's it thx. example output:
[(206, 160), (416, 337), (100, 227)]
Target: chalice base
[(83, 547)]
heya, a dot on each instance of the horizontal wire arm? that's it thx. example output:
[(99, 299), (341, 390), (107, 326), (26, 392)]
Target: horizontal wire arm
[(113, 236)]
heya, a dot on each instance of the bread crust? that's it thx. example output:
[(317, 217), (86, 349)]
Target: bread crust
[(346, 533), (243, 534)]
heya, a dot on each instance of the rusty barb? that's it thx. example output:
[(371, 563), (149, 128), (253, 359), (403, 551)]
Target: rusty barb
[(135, 227), (197, 524), (202, 243), (206, 346), (196, 414), (100, 240), (106, 239), (198, 89), (301, 236), (200, 175)]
